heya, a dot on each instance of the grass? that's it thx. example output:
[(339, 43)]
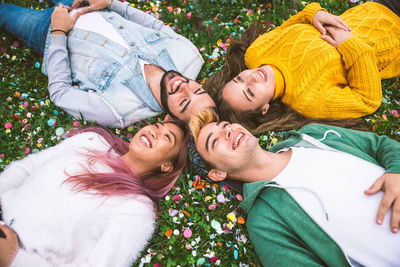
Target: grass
[(210, 211)]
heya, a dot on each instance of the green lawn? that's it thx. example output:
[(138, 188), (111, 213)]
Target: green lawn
[(209, 211)]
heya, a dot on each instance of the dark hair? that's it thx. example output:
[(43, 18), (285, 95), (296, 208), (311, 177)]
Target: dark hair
[(279, 116)]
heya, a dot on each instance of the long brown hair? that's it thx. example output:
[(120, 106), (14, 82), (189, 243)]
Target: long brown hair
[(279, 116)]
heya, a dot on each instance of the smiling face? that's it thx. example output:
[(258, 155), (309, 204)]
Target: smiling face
[(181, 97), (251, 89), (229, 147), (156, 144)]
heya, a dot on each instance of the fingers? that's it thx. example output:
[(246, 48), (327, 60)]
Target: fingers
[(320, 28), (341, 21), (386, 202), (7, 231), (77, 3), (329, 40), (395, 218), (375, 187), (76, 15)]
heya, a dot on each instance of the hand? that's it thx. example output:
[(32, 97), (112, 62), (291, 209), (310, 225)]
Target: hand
[(390, 184), (93, 4), (322, 18), (60, 20), (8, 246), (337, 36)]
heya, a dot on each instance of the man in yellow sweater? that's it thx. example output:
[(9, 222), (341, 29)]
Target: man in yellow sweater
[(321, 65)]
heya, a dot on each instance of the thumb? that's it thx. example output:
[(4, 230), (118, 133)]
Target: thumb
[(375, 187), (76, 15)]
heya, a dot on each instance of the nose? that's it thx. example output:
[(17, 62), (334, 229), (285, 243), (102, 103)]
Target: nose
[(154, 132), (227, 132), (187, 88)]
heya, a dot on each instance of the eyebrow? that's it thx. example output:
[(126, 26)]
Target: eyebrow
[(207, 140), (247, 96), (186, 106)]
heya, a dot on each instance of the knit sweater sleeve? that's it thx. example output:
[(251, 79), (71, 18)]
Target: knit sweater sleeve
[(304, 16), (363, 93)]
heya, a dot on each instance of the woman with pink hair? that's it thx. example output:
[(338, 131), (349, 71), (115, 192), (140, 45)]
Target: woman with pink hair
[(90, 200)]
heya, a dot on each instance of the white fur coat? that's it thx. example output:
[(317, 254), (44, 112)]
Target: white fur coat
[(60, 227)]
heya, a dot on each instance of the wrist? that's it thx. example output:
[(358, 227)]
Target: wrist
[(59, 31), (109, 3)]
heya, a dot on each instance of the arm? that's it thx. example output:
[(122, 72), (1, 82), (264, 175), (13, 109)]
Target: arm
[(304, 16), (363, 93), (385, 151), (284, 235), (19, 171), (75, 101), (139, 17), (125, 234)]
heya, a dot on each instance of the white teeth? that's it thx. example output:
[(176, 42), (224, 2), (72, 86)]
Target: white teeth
[(146, 141), (176, 84), (237, 140)]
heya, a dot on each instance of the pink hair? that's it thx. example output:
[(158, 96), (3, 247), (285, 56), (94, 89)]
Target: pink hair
[(123, 180)]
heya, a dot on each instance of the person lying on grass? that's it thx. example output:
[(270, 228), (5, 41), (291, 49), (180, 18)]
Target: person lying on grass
[(312, 199), (315, 67), (115, 65), (90, 200)]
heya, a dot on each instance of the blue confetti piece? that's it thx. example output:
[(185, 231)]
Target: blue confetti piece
[(55, 112), (37, 65)]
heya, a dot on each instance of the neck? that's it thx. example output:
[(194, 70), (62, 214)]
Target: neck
[(135, 164), (153, 76), (266, 166)]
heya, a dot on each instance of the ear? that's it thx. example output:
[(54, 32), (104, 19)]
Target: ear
[(217, 175), (264, 109), (167, 166)]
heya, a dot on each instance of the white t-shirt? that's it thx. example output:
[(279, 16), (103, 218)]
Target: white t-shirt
[(339, 180), (94, 22)]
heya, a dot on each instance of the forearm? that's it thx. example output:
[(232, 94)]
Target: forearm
[(362, 73), (139, 17), (304, 16), (75, 101)]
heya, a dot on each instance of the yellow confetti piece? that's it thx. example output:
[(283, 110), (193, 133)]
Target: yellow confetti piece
[(274, 140), (13, 57), (218, 42)]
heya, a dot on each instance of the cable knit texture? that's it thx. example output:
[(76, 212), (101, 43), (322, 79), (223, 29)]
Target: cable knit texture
[(60, 227), (322, 81)]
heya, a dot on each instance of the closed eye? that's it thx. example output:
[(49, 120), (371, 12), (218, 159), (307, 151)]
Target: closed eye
[(182, 102), (199, 91), (214, 143), (250, 92)]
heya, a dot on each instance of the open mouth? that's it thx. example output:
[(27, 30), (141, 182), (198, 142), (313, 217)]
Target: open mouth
[(237, 141), (146, 141)]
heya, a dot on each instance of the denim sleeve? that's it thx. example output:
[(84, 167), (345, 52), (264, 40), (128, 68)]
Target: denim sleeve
[(78, 103), (140, 17)]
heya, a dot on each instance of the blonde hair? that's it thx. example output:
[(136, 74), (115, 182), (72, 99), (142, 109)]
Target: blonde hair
[(201, 119)]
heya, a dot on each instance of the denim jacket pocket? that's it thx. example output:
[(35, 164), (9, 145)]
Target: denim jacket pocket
[(101, 72), (155, 37)]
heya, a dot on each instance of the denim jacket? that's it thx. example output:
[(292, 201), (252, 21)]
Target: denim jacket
[(109, 85)]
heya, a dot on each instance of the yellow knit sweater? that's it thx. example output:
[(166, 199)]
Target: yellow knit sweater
[(322, 81)]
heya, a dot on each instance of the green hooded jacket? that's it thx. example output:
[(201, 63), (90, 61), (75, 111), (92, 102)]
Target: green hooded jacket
[(282, 233)]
